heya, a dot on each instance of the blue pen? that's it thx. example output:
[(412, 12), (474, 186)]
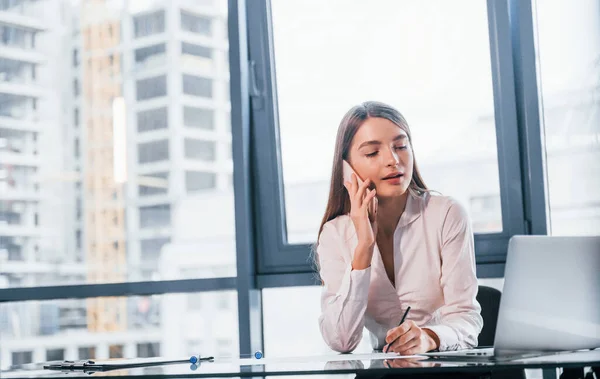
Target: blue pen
[(401, 321), (196, 360)]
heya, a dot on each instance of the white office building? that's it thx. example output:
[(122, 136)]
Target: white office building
[(168, 62)]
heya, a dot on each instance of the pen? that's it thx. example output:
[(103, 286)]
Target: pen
[(401, 321), (90, 366)]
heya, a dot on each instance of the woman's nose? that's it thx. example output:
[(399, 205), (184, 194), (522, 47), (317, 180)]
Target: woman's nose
[(392, 158)]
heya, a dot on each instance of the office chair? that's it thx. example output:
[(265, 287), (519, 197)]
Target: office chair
[(489, 299)]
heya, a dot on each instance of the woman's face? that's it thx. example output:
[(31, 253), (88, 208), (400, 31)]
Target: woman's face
[(381, 151)]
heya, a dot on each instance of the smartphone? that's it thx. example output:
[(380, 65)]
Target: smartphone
[(348, 173), (348, 178)]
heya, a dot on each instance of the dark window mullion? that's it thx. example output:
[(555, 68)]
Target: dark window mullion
[(511, 190), (249, 297), (81, 291), (532, 152)]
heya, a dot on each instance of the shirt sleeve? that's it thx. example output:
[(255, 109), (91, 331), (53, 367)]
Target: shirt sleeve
[(345, 293), (458, 322), (377, 333)]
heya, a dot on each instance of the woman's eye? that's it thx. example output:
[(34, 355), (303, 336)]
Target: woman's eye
[(372, 154), (400, 147)]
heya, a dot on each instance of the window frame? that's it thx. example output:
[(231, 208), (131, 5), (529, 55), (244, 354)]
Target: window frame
[(276, 256)]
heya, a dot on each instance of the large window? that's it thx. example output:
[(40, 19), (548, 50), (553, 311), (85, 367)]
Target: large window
[(12, 36), (15, 71), (569, 67), (136, 326), (431, 60), (197, 86), (155, 151), (197, 57), (199, 181), (150, 57), (148, 349), (152, 119), (153, 184), (151, 87), (199, 118), (55, 354), (148, 24), (303, 313), (195, 23), (155, 216), (447, 66), (86, 352), (92, 190), (200, 150), (22, 357)]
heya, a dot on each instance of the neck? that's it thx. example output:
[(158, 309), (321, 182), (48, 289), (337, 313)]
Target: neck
[(389, 211)]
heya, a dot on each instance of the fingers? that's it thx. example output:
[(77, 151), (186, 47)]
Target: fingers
[(404, 339), (361, 191), (375, 206), (396, 332), (410, 348), (405, 344), (358, 192), (373, 215), (352, 185), (368, 201), (371, 201)]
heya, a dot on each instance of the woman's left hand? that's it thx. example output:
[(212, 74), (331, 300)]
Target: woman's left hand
[(409, 339)]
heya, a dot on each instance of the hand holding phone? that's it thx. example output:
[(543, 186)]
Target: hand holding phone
[(363, 212), (348, 171)]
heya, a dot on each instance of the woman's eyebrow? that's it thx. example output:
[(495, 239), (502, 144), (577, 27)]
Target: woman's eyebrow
[(375, 142), (368, 143)]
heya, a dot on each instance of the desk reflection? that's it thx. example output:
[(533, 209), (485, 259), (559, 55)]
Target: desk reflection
[(382, 363), (404, 363), (341, 365)]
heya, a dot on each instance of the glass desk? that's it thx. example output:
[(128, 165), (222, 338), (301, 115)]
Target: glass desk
[(581, 364)]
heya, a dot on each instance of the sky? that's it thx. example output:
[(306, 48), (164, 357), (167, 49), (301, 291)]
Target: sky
[(433, 67), (431, 60)]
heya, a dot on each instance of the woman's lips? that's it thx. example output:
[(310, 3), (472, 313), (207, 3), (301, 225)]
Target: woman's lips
[(394, 179)]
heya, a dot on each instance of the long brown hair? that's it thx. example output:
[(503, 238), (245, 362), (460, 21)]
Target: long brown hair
[(338, 202)]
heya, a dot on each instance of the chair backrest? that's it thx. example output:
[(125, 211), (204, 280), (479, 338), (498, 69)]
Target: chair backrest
[(489, 299)]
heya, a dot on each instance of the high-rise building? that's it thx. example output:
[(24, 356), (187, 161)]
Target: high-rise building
[(176, 79), (33, 249), (30, 145), (141, 111)]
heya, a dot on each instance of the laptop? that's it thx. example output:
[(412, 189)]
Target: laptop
[(550, 301)]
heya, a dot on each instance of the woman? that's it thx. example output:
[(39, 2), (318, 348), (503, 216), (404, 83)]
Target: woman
[(387, 244)]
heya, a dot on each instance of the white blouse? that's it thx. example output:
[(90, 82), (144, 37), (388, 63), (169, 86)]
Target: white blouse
[(434, 268)]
